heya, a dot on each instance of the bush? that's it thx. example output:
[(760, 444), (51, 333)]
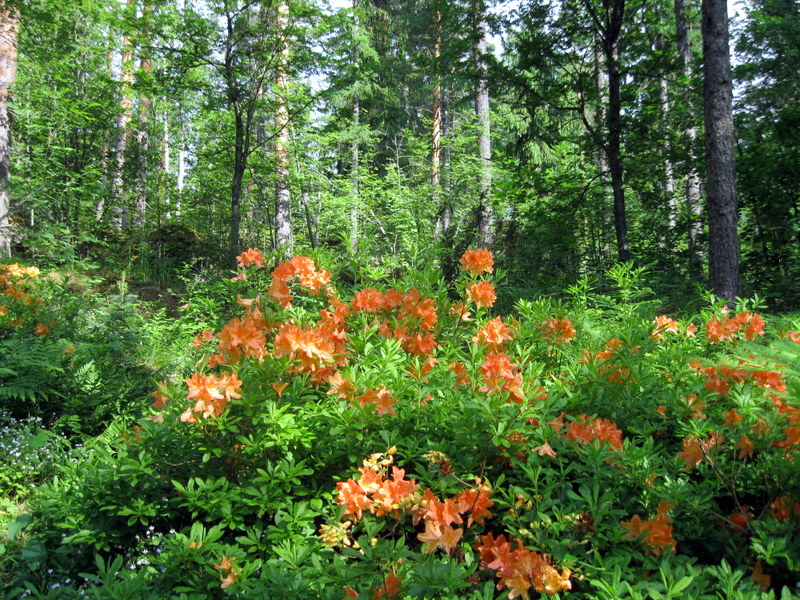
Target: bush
[(398, 443)]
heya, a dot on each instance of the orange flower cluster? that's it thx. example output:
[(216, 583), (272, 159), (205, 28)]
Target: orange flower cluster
[(376, 493), (557, 331), (719, 380), (381, 398), (250, 257), (305, 269), (586, 429), (18, 281), (657, 531), (228, 574), (477, 261), (664, 324), (494, 334), (695, 450), (311, 348), (408, 317), (785, 509), (243, 337), (520, 569), (499, 373), (614, 373), (211, 394), (482, 294), (441, 515), (728, 328)]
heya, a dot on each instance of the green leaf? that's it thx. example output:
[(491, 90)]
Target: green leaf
[(17, 525)]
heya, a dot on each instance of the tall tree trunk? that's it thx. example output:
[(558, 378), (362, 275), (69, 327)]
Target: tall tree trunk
[(354, 150), (669, 172), (694, 207), (9, 34), (283, 224), (239, 167), (485, 211), (604, 246), (611, 37), (721, 186), (436, 120), (165, 162), (120, 212), (142, 134)]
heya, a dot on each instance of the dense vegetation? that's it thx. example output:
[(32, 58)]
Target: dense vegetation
[(392, 438), (522, 324)]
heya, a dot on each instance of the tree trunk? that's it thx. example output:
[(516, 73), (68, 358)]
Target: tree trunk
[(120, 213), (9, 33), (436, 121), (354, 175), (142, 135), (614, 123), (283, 225), (692, 188), (239, 166), (485, 212), (669, 172), (721, 184)]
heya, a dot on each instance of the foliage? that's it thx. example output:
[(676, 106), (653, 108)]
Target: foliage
[(395, 442)]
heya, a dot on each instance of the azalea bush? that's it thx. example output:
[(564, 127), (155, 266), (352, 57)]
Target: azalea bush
[(403, 440)]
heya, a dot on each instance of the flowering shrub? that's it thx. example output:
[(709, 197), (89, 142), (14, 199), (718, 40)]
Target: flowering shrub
[(391, 442)]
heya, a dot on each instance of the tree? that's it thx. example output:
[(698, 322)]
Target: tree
[(283, 223), (723, 263), (9, 33), (485, 228)]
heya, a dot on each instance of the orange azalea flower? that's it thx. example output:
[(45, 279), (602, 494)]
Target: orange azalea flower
[(381, 398), (557, 330), (340, 386), (762, 579), (278, 387), (586, 429), (250, 257), (368, 300), (42, 328), (785, 509), (242, 337), (313, 349), (520, 569), (745, 447), (160, 395), (439, 536), (497, 371), (228, 575), (477, 261), (389, 589), (493, 334), (664, 324), (657, 531), (460, 369), (482, 294)]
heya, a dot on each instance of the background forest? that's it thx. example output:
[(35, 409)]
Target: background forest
[(153, 136)]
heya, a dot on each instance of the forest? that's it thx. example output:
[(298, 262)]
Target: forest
[(337, 299)]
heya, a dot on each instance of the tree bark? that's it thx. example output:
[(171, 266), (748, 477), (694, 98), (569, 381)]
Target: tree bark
[(283, 225), (485, 210), (9, 34), (119, 212), (692, 188), (721, 183), (611, 37), (142, 134), (354, 175)]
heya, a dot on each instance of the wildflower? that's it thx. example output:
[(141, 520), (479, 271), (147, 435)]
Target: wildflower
[(482, 294), (250, 257), (477, 261)]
